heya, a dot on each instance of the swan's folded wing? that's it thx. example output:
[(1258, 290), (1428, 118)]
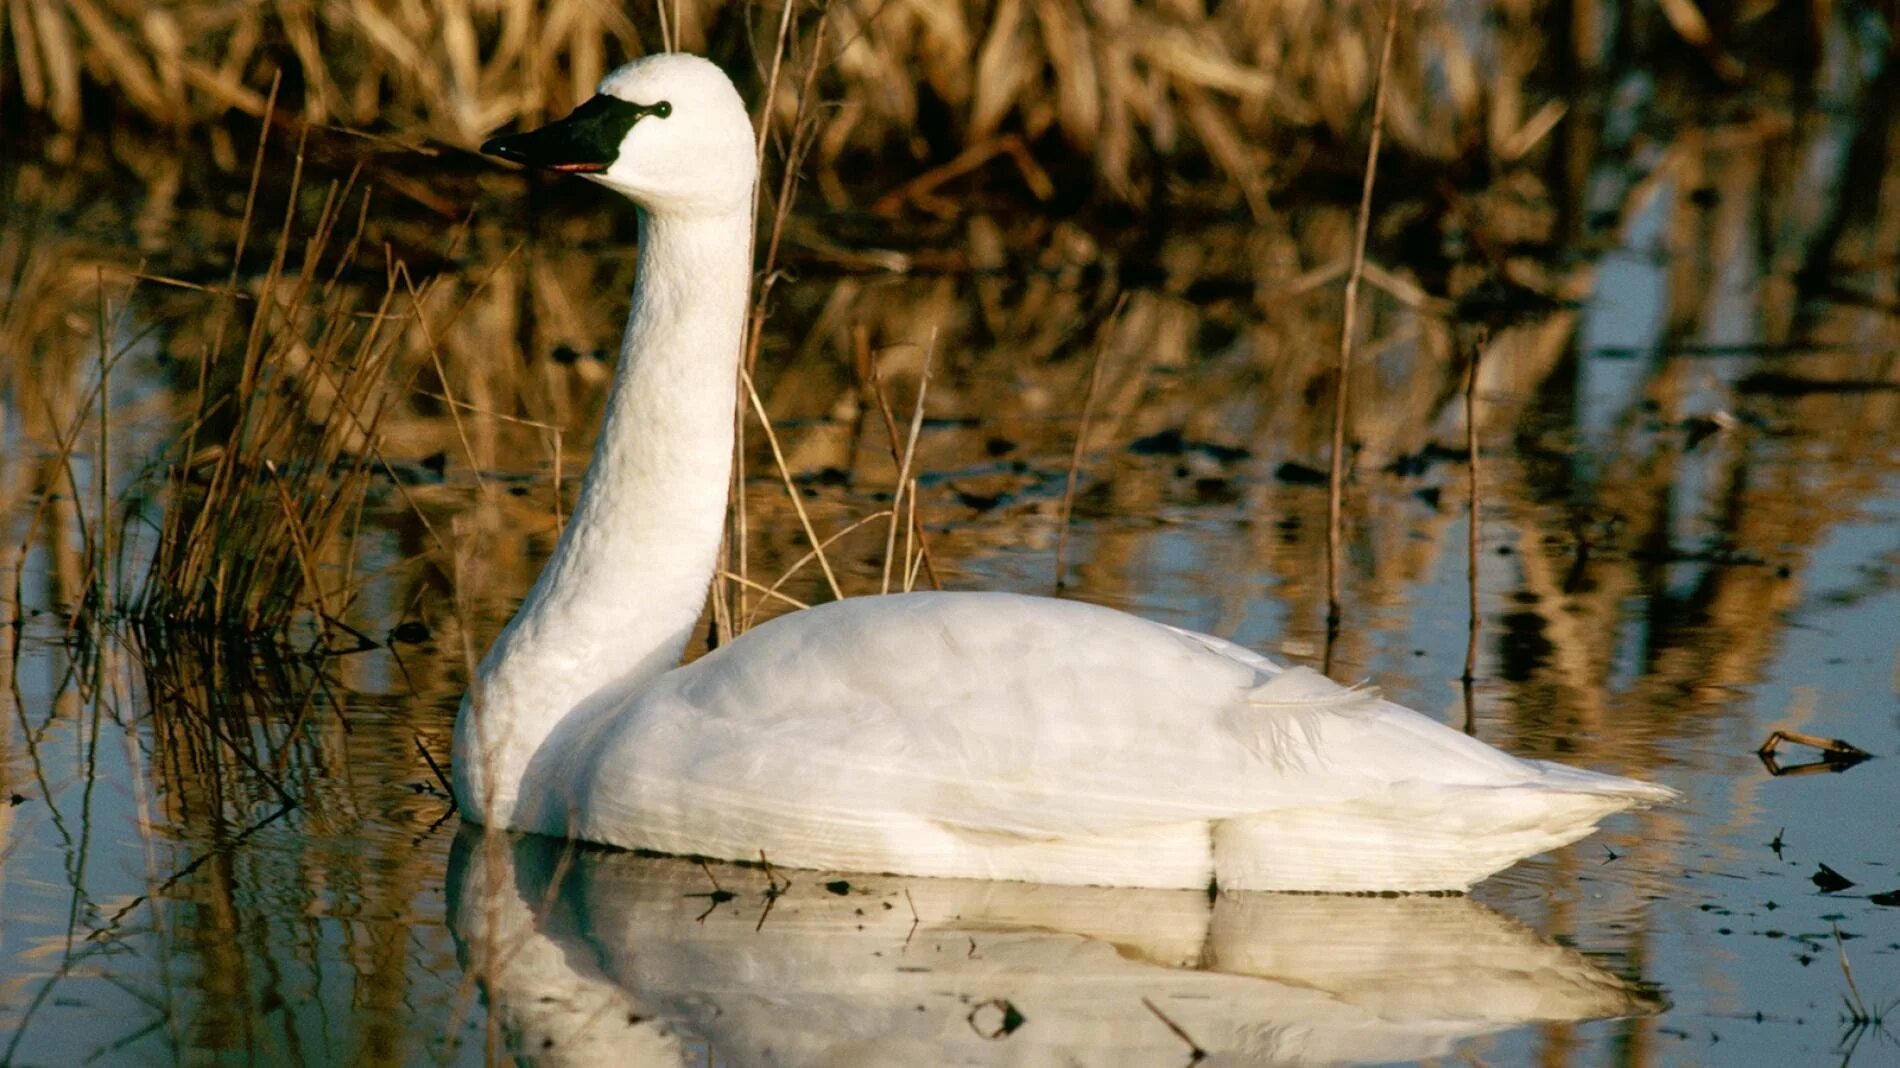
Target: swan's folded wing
[(1007, 715)]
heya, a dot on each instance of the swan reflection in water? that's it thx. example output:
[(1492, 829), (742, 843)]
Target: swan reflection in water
[(589, 956)]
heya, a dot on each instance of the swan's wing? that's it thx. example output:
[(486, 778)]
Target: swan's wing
[(1012, 715)]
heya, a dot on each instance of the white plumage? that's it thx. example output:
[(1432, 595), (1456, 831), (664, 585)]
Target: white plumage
[(979, 735)]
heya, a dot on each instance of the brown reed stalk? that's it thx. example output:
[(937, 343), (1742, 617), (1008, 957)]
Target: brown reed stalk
[(103, 558), (1081, 439), (803, 134), (1473, 504), (791, 487), (772, 591), (253, 521), (1337, 476), (903, 467), (453, 405), (874, 384), (64, 442), (666, 25)]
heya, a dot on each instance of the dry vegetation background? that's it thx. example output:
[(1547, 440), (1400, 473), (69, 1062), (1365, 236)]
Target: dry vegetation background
[(1140, 137), (281, 361)]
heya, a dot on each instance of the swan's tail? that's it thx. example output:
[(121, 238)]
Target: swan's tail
[(1420, 837), (1635, 792)]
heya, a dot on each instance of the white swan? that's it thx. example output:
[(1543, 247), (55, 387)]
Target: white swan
[(980, 735)]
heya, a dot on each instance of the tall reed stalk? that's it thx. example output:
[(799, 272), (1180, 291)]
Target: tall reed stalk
[(1336, 481), (277, 455)]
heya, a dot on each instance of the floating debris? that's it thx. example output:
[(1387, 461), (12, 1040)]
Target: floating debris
[(1829, 880), (1836, 755), (998, 1019)]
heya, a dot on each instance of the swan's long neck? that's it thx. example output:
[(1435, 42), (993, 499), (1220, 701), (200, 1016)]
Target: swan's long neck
[(618, 600)]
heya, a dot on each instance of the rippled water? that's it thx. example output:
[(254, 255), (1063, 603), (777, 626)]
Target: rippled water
[(1691, 537)]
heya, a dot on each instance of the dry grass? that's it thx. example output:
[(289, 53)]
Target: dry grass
[(269, 479), (1136, 91), (1011, 294)]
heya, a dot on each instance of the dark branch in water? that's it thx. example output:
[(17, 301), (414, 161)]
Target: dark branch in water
[(1195, 1053), (1836, 755), (440, 775)]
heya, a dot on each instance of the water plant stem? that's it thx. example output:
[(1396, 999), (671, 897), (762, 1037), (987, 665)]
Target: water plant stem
[(1081, 440), (1474, 506), (876, 384), (1348, 325), (903, 467)]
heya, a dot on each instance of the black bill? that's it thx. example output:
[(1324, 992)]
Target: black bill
[(584, 142)]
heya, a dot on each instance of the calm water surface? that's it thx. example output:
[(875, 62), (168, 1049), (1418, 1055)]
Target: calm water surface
[(1691, 537)]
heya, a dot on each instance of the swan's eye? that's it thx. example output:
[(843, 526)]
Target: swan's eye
[(660, 110)]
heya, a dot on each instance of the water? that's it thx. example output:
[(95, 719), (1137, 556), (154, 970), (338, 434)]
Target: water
[(1691, 537)]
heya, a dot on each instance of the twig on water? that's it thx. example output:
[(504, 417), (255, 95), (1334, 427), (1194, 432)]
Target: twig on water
[(1826, 745), (1195, 1053), (1337, 478), (1836, 755), (1081, 440), (1855, 1004)]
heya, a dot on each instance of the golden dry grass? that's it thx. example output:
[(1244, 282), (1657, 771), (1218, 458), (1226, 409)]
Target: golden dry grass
[(1134, 88), (266, 482), (1273, 99)]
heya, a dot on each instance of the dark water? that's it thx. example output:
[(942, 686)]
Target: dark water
[(1691, 537)]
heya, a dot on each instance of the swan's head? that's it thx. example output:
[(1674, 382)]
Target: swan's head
[(669, 131)]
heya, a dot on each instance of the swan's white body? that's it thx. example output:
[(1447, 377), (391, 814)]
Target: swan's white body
[(958, 734)]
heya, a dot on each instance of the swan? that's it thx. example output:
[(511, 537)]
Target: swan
[(975, 735)]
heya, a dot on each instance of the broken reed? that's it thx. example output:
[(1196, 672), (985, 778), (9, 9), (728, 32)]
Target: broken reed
[(269, 478)]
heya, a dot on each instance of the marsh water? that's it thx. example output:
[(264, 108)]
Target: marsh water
[(217, 848)]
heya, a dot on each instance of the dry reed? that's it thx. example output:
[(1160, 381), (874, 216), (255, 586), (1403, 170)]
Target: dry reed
[(1120, 92), (1473, 512), (1341, 389), (278, 451), (1081, 440)]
